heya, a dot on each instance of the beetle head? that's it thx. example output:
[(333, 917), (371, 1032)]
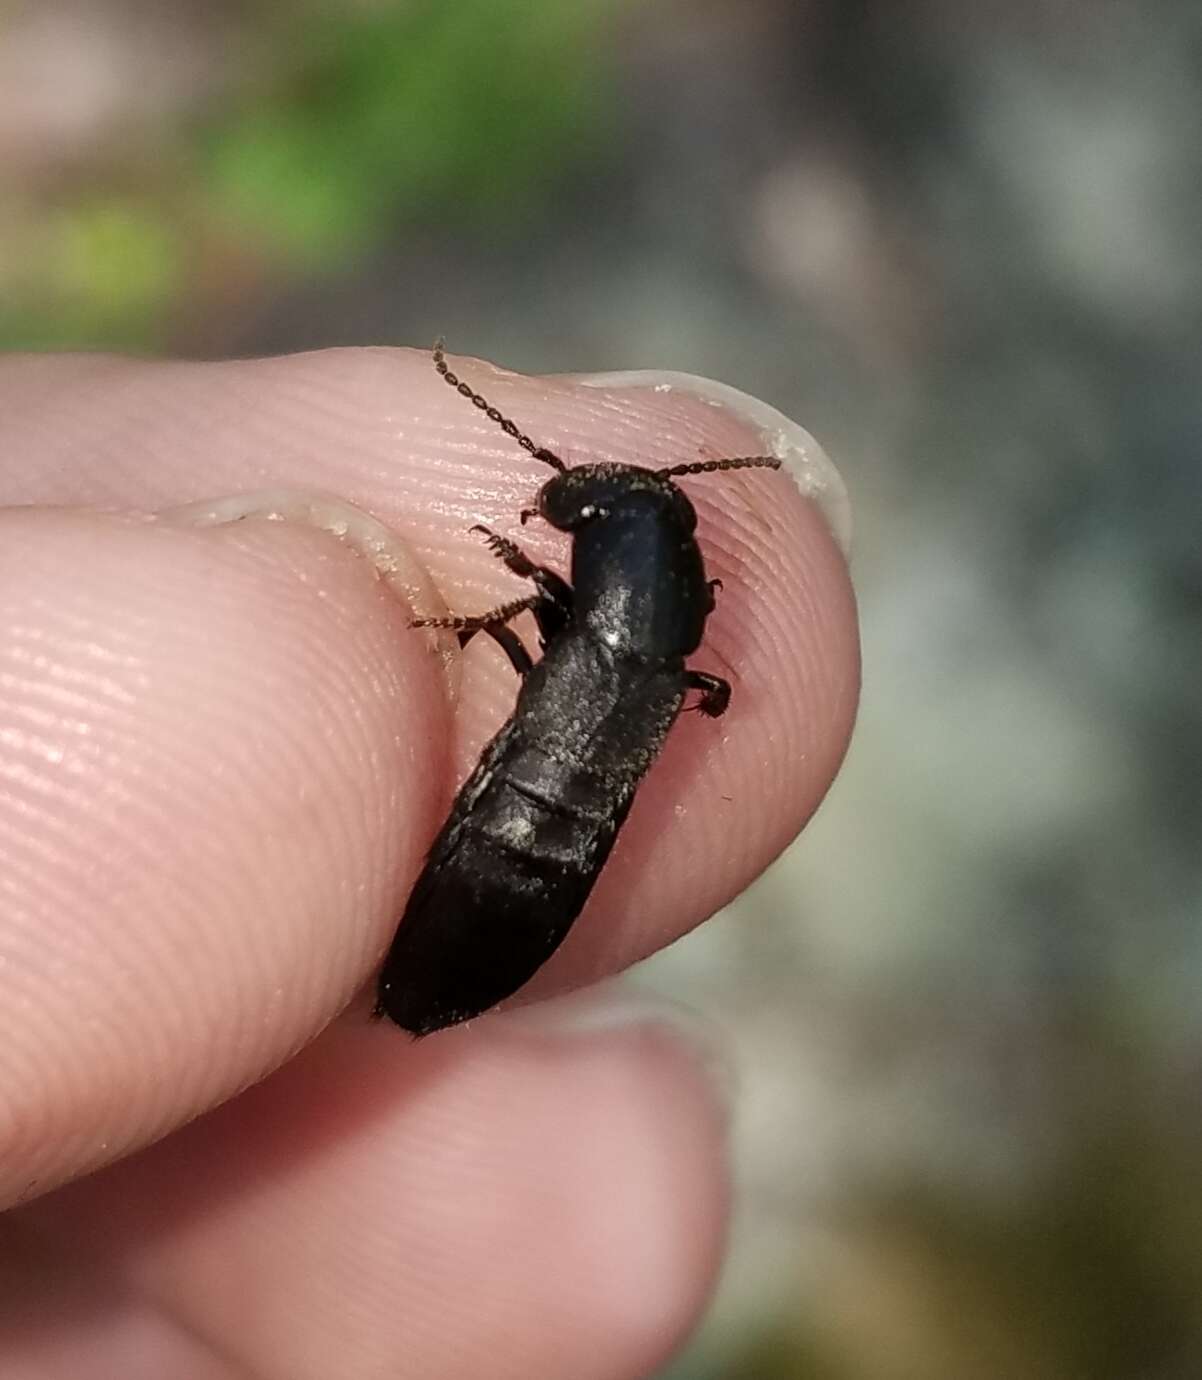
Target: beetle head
[(591, 493)]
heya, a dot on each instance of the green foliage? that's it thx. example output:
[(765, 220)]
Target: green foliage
[(356, 122), (101, 270), (466, 110)]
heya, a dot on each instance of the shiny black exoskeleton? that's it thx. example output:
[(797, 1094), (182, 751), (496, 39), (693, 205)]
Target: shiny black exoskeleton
[(533, 825)]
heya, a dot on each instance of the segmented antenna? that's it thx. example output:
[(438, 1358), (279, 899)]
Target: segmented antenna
[(548, 457), (737, 462)]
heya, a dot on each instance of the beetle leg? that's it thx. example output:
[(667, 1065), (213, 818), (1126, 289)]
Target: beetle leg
[(480, 622), (713, 586), (508, 641), (715, 693), (493, 623), (508, 551), (553, 611)]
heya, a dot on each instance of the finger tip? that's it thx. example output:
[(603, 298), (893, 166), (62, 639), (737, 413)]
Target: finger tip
[(539, 1202), (657, 1247)]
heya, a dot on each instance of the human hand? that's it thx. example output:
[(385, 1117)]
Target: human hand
[(222, 753)]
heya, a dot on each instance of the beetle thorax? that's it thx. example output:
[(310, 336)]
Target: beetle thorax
[(639, 581)]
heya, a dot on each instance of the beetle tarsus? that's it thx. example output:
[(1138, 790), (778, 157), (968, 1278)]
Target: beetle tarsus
[(480, 622), (509, 552), (715, 693)]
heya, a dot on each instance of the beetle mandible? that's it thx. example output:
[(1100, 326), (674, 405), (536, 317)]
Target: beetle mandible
[(532, 826)]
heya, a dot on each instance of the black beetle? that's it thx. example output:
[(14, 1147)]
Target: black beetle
[(533, 825)]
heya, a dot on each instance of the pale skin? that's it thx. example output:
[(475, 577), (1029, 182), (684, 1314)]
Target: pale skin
[(222, 754)]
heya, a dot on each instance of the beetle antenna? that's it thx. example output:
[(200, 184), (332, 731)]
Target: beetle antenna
[(739, 462), (548, 457)]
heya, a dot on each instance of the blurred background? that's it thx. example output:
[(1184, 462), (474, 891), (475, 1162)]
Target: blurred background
[(960, 242)]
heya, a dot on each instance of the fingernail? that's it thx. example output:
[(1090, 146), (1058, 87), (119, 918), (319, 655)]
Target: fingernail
[(386, 553), (801, 456)]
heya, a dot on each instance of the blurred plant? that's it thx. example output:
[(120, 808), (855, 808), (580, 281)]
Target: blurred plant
[(469, 109), (348, 122)]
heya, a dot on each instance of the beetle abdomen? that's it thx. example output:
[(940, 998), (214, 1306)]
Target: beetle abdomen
[(492, 905), (526, 839)]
